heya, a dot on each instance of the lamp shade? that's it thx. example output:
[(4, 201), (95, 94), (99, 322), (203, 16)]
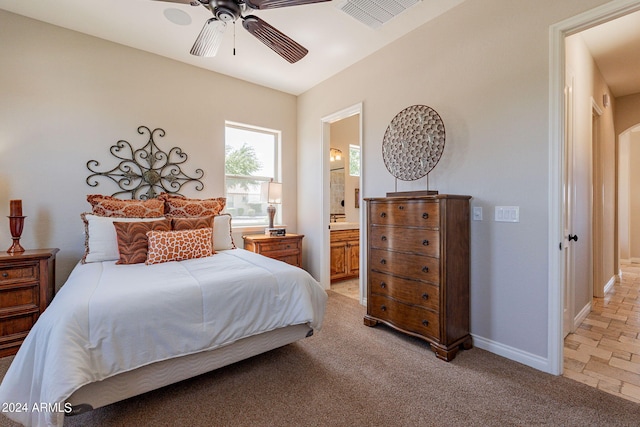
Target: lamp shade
[(271, 192)]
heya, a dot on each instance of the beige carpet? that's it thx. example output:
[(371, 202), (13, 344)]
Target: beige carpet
[(352, 375)]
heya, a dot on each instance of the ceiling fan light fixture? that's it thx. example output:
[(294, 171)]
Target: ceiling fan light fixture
[(209, 39)]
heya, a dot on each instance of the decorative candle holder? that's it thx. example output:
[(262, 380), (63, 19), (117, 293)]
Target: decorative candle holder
[(16, 223)]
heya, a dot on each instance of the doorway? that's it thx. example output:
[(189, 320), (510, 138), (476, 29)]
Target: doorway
[(558, 235)]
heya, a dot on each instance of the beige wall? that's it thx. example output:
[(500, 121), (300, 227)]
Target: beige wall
[(484, 67), (67, 97)]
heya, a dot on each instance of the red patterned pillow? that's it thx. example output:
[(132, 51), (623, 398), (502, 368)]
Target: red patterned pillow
[(191, 223), (182, 207), (114, 207), (178, 245), (132, 239)]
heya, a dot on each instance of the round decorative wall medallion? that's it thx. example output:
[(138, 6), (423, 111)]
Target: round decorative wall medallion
[(413, 142)]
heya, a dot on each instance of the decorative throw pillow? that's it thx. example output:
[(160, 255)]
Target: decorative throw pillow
[(132, 239), (191, 223), (222, 238), (178, 245), (113, 207), (182, 207), (100, 239)]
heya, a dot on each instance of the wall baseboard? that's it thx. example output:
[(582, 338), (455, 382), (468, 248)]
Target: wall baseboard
[(537, 362), (609, 284), (581, 316)]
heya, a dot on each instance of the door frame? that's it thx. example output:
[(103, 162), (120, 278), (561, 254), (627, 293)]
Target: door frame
[(557, 34), (325, 272)]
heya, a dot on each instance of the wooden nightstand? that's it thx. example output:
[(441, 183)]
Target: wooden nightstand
[(27, 285), (284, 248)]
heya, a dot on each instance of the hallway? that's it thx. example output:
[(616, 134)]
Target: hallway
[(604, 352)]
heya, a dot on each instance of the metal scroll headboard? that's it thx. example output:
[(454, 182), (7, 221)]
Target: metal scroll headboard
[(145, 172)]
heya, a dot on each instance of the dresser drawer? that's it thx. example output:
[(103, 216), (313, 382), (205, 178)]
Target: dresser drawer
[(405, 265), (410, 318), (407, 291), (412, 213), (18, 273), (422, 241)]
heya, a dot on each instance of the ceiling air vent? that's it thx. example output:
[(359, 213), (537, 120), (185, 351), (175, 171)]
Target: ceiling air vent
[(374, 13)]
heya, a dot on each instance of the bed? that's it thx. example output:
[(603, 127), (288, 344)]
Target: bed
[(114, 331)]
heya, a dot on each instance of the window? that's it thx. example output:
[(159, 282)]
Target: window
[(251, 158), (354, 160)]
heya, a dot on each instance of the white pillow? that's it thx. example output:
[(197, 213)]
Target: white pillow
[(100, 239), (222, 238)]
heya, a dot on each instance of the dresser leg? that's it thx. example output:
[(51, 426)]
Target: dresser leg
[(370, 322)]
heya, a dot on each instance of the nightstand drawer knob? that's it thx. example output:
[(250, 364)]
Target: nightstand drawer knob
[(425, 243), (425, 215), (425, 296), (383, 238), (383, 261), (425, 269), (383, 285), (425, 323)]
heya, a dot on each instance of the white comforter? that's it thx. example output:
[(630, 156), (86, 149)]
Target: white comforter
[(110, 318)]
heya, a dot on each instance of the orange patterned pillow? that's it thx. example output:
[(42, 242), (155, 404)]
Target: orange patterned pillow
[(182, 207), (191, 223), (114, 207), (132, 239), (178, 245)]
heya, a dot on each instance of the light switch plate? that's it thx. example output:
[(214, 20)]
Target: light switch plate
[(507, 214), (477, 213)]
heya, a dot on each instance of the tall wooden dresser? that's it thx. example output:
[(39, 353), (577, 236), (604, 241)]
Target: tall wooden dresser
[(418, 269), (27, 282)]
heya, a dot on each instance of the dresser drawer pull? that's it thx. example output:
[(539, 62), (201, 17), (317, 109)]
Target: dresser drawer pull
[(425, 296), (5, 274), (383, 215), (383, 285), (383, 238), (383, 307), (288, 246), (425, 323), (401, 207), (425, 242), (425, 269), (383, 261), (425, 215)]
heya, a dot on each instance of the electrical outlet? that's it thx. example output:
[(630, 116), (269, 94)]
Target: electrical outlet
[(477, 213)]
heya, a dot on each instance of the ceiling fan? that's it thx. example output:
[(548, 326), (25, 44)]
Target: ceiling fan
[(225, 11)]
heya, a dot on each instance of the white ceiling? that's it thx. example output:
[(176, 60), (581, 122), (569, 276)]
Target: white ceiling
[(615, 46), (335, 40)]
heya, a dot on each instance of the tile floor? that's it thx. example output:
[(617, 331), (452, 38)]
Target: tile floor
[(348, 287), (604, 352)]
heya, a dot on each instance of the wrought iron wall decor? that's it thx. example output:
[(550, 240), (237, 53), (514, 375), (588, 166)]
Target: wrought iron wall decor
[(145, 172), (413, 142)]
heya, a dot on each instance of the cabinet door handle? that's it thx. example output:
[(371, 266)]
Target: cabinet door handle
[(383, 215), (425, 269), (425, 215), (383, 261), (425, 296), (383, 307), (425, 323), (383, 238), (383, 285), (401, 207), (425, 242)]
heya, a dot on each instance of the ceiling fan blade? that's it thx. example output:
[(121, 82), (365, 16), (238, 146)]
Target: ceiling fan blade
[(277, 41), (272, 4), (191, 2), (209, 39)]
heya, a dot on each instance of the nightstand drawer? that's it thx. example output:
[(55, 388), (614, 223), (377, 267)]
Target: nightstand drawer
[(18, 273), (279, 246), (19, 296)]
